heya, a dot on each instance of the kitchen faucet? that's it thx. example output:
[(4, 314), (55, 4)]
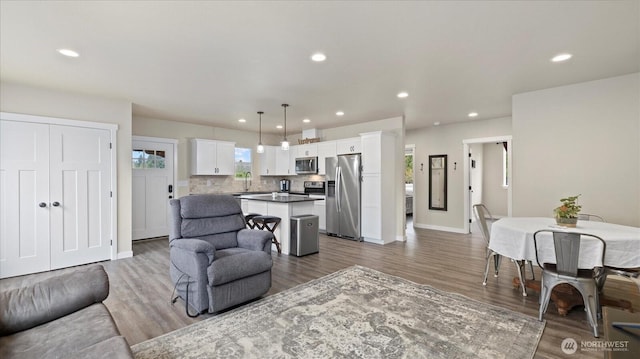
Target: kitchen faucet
[(247, 176)]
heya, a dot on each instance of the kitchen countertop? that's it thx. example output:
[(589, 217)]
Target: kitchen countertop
[(279, 198)]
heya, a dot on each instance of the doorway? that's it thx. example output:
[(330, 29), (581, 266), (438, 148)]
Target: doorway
[(153, 167), (409, 155), (487, 171)]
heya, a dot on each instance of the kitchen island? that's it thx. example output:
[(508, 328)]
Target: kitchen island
[(282, 205)]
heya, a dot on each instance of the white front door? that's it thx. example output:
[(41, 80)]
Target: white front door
[(153, 171), (24, 198), (80, 172)]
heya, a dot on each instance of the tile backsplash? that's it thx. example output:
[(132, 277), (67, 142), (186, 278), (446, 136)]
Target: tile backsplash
[(229, 184)]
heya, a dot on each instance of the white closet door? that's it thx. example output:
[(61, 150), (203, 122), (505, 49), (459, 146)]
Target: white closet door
[(24, 198), (79, 195)]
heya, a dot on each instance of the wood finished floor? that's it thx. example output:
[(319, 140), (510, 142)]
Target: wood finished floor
[(140, 293)]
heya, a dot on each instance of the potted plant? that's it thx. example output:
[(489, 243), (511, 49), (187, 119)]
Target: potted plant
[(567, 214)]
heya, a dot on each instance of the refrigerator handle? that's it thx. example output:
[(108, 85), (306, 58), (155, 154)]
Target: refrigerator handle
[(338, 187)]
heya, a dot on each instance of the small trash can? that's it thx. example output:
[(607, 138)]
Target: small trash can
[(304, 235)]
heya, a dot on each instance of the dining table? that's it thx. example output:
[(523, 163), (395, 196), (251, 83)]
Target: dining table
[(512, 237)]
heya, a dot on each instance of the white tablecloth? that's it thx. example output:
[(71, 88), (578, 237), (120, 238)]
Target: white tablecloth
[(512, 237)]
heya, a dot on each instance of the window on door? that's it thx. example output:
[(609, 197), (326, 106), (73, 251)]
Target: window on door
[(141, 159), (242, 162)]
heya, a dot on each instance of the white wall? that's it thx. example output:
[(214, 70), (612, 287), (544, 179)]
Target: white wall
[(579, 139), (29, 100), (494, 195), (447, 139), (183, 132)]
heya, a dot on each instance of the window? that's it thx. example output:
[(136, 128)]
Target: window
[(408, 170), (147, 159), (242, 162)]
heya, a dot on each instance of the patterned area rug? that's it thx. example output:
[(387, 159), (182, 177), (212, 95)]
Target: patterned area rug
[(355, 313)]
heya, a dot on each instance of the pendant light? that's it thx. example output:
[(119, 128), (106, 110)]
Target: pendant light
[(260, 148), (285, 143)]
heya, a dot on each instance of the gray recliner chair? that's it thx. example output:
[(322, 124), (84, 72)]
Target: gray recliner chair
[(216, 262)]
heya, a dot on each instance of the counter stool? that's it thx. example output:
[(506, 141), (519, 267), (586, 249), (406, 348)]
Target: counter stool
[(269, 223), (248, 219)]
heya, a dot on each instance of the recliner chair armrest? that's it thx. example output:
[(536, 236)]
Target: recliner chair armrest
[(195, 245), (255, 240), (50, 299)]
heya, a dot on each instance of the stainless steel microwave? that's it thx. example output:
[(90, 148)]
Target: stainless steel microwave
[(307, 165)]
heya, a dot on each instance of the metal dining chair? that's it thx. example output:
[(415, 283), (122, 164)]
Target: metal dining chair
[(590, 217), (566, 270), (632, 274), (484, 218)]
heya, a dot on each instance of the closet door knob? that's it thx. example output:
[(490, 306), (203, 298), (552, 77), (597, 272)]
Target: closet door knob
[(42, 204), (55, 204)]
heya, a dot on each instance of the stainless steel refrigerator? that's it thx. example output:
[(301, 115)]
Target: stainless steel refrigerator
[(343, 196)]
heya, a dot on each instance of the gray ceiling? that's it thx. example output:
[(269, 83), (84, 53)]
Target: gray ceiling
[(215, 62)]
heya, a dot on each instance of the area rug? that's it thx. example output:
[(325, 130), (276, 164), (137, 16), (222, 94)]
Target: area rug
[(355, 313)]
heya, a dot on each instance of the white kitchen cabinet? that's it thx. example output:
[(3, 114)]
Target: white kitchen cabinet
[(378, 183), (348, 146), (211, 157), (284, 162), (320, 210), (325, 149), (377, 151), (268, 161), (372, 206), (308, 150), (277, 162)]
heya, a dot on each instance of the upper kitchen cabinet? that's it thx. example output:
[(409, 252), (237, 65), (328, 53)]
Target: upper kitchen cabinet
[(377, 151), (268, 161), (276, 162), (325, 149), (211, 157), (348, 146), (308, 150)]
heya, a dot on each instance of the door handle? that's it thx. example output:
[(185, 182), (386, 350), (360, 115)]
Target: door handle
[(42, 205), (170, 188), (56, 204)]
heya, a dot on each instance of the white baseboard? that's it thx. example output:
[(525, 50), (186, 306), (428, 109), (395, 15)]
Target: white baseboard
[(127, 254), (440, 228), (401, 238), (373, 240)]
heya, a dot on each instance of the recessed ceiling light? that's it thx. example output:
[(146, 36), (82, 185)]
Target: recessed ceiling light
[(473, 114), (318, 57), (242, 120), (339, 113), (306, 120), (561, 57), (68, 53), (279, 126), (436, 123), (403, 94)]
